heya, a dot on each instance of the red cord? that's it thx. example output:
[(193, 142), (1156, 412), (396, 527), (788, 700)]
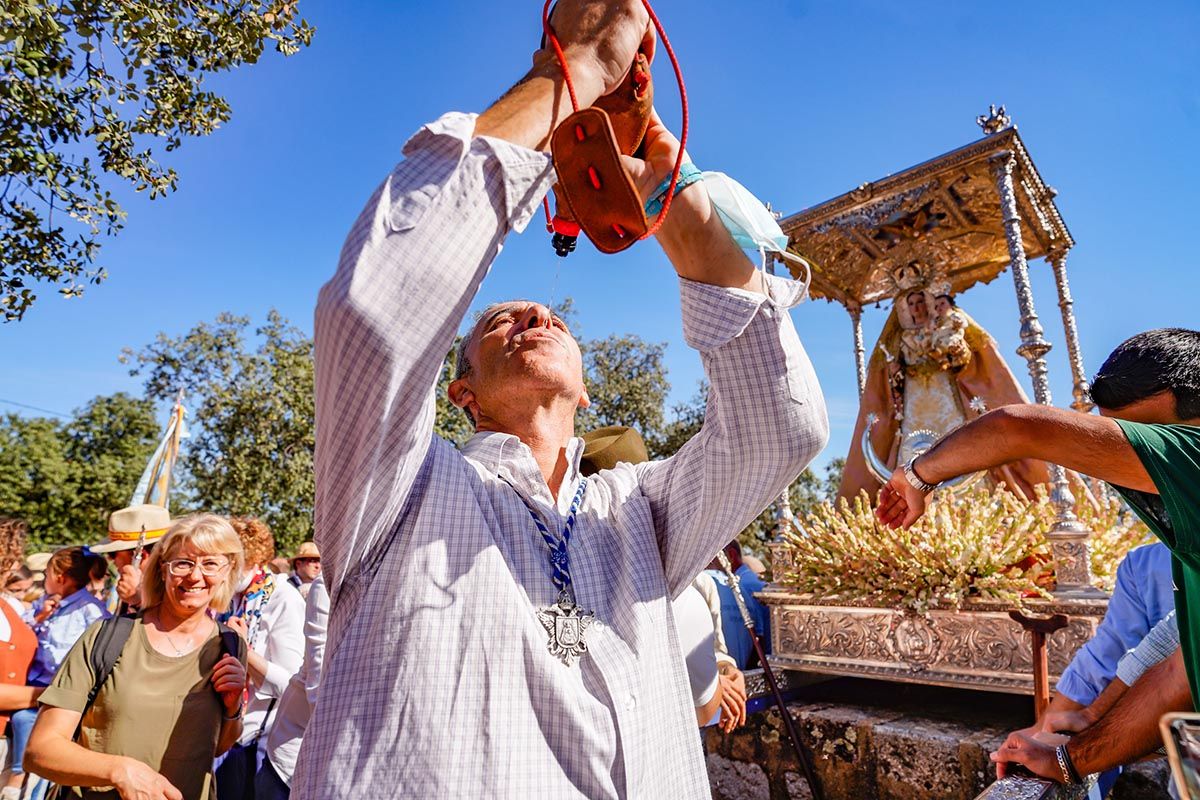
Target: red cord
[(683, 134), (558, 52)]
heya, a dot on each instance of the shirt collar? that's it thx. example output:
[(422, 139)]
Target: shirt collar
[(79, 596), (510, 459)]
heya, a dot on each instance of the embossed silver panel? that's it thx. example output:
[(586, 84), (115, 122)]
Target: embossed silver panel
[(979, 647)]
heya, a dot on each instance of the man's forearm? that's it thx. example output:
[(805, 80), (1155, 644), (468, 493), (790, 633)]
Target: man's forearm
[(1130, 729), (699, 246), (528, 112), (1086, 443)]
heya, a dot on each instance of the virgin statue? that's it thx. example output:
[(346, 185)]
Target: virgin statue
[(932, 369)]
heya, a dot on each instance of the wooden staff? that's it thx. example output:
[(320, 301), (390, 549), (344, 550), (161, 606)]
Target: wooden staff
[(748, 621), (1039, 628)]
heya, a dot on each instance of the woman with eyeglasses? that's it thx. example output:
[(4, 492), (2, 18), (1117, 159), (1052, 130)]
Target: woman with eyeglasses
[(173, 702), (268, 612)]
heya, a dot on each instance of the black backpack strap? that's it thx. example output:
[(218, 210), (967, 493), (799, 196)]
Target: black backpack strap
[(106, 652), (231, 642)]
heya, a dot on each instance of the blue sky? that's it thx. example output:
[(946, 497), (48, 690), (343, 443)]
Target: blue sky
[(798, 100)]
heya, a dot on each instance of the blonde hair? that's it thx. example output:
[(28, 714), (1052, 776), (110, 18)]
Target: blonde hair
[(207, 533)]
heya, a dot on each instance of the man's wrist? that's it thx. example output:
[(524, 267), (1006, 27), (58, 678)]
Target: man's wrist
[(916, 479), (587, 82)]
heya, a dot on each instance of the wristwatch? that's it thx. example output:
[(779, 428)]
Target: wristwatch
[(914, 480)]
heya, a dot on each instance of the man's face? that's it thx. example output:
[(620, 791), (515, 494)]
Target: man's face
[(1156, 409), (917, 308), (308, 569), (123, 558), (517, 349)]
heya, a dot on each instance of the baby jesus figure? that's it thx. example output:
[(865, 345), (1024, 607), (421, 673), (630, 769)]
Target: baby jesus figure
[(947, 334)]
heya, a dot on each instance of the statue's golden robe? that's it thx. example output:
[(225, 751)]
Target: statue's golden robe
[(985, 375)]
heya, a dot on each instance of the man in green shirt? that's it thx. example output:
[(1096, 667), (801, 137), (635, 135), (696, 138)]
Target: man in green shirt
[(1146, 444)]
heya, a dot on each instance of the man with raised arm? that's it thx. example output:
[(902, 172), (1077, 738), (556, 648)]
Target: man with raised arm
[(1146, 444), (500, 626)]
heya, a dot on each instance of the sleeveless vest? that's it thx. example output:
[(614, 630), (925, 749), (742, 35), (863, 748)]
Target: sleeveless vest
[(17, 653)]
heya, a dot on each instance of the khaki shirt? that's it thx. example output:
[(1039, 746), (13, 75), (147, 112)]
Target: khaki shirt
[(160, 710)]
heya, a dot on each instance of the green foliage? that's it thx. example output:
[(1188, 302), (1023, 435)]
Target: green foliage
[(686, 419), (627, 384), (252, 413), (625, 377), (89, 86), (65, 479), (450, 422)]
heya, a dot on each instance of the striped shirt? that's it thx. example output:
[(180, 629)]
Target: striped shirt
[(438, 681)]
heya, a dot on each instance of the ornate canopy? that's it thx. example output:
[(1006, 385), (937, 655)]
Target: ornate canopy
[(944, 213)]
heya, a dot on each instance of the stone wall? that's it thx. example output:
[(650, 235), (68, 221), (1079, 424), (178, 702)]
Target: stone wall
[(871, 739)]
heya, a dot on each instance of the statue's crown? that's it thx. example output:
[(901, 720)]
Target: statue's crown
[(915, 276)]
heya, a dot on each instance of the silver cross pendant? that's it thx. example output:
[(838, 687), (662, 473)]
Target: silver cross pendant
[(566, 624)]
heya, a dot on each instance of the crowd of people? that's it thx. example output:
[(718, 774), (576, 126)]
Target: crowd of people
[(166, 661), (212, 681)]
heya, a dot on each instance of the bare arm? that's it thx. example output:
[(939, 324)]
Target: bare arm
[(1130, 728), (706, 712), (1083, 442), (231, 731), (14, 698), (1064, 715), (1125, 734), (52, 754)]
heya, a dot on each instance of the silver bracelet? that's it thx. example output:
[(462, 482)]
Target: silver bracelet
[(914, 480), (1070, 774), (1062, 763)]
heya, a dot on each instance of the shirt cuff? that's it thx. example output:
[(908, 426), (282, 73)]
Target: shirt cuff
[(715, 315), (1075, 688)]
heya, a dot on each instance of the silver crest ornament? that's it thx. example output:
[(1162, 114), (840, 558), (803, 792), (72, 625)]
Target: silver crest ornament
[(566, 625)]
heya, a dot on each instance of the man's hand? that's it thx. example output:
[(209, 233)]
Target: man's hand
[(660, 148), (1066, 721), (600, 39), (1036, 755), (136, 781), (129, 585), (733, 698), (900, 503)]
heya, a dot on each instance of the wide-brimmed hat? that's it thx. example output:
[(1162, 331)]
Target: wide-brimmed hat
[(307, 550), (37, 562), (125, 527), (605, 447)]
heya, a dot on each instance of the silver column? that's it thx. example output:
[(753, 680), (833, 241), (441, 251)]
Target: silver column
[(1068, 540), (1083, 402), (781, 550), (860, 353)]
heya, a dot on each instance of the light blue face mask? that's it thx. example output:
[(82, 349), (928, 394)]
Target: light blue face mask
[(749, 222)]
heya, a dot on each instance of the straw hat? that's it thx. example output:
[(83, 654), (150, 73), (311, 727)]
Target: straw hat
[(307, 550), (605, 447), (125, 527)]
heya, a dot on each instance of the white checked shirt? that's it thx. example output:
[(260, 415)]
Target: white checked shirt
[(438, 681)]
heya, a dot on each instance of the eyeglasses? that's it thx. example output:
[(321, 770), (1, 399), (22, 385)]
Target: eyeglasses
[(181, 567)]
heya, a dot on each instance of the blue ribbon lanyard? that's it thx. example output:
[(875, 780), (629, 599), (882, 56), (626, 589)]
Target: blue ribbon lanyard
[(560, 562)]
